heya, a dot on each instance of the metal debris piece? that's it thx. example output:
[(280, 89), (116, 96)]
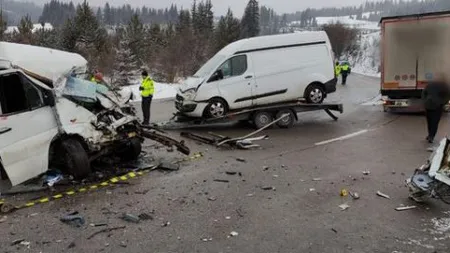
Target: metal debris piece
[(312, 189), (165, 224), (366, 172), (16, 242), (232, 173), (98, 224), (206, 239), (73, 219), (130, 218), (317, 179), (404, 208), (234, 233), (212, 198), (221, 180), (25, 243), (334, 230), (383, 195), (240, 159), (106, 230), (344, 206), (268, 188), (354, 195), (145, 216)]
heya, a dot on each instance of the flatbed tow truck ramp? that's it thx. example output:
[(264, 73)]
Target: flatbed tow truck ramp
[(258, 116)]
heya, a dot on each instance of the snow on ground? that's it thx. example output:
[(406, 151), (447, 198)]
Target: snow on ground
[(162, 91), (350, 21), (367, 59)]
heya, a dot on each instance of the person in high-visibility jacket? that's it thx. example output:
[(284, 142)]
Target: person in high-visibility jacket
[(147, 89), (337, 69), (344, 72), (97, 77)]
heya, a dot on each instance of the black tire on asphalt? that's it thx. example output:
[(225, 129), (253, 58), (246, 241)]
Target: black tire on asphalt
[(314, 94), (76, 160), (132, 150), (216, 108), (287, 122), (261, 119)]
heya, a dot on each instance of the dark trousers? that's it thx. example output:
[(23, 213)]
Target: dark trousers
[(344, 77), (146, 104), (433, 118)]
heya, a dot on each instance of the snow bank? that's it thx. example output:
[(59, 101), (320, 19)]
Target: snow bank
[(350, 21), (367, 59), (162, 91)]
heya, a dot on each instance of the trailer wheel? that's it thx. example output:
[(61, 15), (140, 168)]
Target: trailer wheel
[(216, 108), (314, 94), (76, 160), (261, 119), (287, 122)]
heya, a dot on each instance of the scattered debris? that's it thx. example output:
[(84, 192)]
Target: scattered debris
[(145, 216), (169, 166), (393, 172), (312, 189), (165, 224), (239, 212), (232, 173), (106, 230), (354, 195), (366, 173), (265, 168), (206, 239), (212, 198), (123, 244), (16, 242), (240, 159), (221, 180), (227, 218), (98, 224), (234, 233), (344, 206), (130, 218), (25, 243), (73, 219), (383, 195), (71, 245), (430, 149), (275, 176), (268, 188), (142, 192), (317, 179), (250, 195), (404, 208), (3, 219), (334, 230), (53, 177), (344, 193)]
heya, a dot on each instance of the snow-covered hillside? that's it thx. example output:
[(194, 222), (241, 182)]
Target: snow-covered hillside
[(367, 58)]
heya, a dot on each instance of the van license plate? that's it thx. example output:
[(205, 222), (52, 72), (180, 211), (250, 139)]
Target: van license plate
[(401, 103), (131, 135)]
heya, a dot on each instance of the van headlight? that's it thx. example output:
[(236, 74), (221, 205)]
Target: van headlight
[(190, 94)]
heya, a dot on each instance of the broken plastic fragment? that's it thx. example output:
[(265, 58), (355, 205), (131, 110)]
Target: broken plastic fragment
[(383, 195), (234, 233), (344, 206)]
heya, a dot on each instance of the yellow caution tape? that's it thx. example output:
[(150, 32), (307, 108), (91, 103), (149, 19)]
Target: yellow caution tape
[(110, 182)]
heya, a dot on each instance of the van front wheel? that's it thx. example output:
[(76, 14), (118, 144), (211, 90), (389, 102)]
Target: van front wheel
[(216, 108), (314, 94)]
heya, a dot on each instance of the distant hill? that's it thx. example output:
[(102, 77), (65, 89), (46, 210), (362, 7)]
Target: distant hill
[(15, 10)]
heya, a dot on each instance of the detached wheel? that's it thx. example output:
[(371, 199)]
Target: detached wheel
[(76, 160), (216, 108), (286, 122), (314, 94), (262, 119), (132, 150)]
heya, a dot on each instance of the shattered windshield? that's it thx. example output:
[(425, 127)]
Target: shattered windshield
[(83, 90)]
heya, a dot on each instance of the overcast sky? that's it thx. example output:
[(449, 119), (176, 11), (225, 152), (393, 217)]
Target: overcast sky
[(221, 6)]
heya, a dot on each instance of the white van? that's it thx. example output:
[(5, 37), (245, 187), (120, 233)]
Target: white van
[(260, 71)]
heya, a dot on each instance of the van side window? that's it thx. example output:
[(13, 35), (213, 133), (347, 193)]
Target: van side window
[(18, 94), (235, 66)]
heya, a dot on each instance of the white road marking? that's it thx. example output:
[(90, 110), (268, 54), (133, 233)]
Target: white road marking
[(345, 137)]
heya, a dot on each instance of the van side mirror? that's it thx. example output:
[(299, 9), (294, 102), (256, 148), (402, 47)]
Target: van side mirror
[(49, 98), (218, 75)]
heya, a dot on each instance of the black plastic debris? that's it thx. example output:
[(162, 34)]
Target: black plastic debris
[(73, 219)]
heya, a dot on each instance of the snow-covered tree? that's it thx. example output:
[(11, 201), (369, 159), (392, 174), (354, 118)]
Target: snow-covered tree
[(250, 20), (126, 67), (3, 25)]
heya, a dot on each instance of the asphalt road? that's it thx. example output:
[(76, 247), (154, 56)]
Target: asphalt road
[(299, 215)]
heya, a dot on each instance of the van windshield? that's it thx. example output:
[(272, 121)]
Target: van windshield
[(207, 68)]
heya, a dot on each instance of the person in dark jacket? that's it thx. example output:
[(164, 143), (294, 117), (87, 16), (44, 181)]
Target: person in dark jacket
[(435, 96)]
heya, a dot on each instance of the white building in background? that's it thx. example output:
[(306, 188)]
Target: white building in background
[(36, 27)]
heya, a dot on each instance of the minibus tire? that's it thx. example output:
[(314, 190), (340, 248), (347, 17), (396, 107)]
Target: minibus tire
[(76, 160)]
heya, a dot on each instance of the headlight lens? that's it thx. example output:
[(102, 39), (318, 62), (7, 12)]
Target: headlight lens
[(190, 94)]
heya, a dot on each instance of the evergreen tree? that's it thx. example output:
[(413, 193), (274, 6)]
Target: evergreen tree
[(3, 25), (99, 15), (126, 66), (135, 34), (227, 31), (25, 30), (250, 20), (107, 14)]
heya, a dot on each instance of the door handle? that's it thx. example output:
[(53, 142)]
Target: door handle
[(5, 130), (248, 77)]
